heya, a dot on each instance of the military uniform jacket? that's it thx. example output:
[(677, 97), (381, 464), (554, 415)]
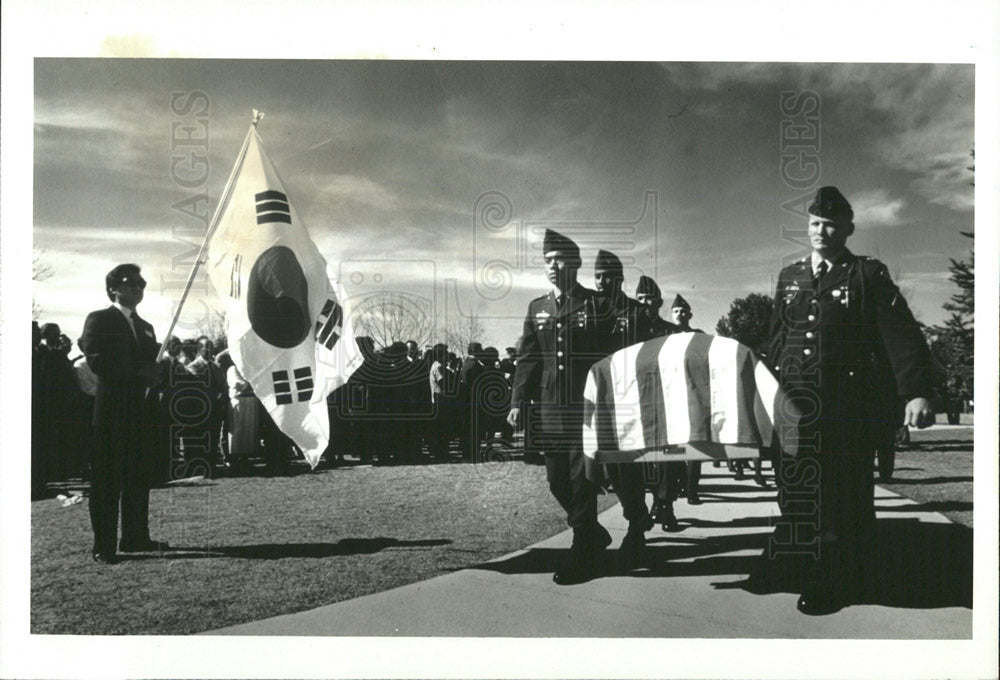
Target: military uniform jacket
[(830, 340), (658, 327), (558, 346), (620, 320), (115, 355)]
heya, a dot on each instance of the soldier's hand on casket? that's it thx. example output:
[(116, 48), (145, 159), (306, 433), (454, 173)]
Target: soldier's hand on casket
[(513, 418), (918, 413)]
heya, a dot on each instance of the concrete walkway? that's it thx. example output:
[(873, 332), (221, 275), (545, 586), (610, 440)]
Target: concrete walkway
[(692, 591)]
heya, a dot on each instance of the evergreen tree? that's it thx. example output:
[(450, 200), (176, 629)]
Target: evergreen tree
[(953, 344), (748, 321)]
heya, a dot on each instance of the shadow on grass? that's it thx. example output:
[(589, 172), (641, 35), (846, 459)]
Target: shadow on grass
[(277, 551), (939, 446), (931, 506), (926, 480), (917, 565)]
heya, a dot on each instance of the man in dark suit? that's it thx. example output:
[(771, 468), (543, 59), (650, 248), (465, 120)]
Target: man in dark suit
[(471, 432), (836, 317), (623, 322), (121, 350), (560, 342)]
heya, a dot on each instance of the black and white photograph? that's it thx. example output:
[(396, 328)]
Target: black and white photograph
[(449, 359)]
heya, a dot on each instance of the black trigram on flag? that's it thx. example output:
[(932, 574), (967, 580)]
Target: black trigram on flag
[(283, 387), (272, 206), (235, 282), (330, 324)]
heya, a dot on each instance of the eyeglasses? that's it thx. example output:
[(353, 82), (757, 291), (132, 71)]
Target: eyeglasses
[(139, 283)]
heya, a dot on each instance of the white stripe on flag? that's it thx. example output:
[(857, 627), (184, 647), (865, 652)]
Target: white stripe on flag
[(628, 415), (767, 388), (723, 370), (675, 389)]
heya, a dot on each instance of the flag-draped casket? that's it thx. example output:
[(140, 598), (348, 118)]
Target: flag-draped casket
[(288, 330), (708, 393)]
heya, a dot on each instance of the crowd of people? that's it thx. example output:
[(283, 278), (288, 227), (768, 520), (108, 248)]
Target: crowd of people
[(405, 404)]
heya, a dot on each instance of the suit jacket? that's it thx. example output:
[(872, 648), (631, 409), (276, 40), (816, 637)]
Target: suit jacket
[(830, 340), (115, 356), (558, 346)]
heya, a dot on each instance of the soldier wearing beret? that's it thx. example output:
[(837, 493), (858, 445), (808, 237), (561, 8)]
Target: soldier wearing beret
[(680, 312), (836, 317), (624, 322), (561, 339), (648, 294)]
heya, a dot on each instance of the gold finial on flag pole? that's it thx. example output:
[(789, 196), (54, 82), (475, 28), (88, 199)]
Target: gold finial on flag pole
[(257, 115)]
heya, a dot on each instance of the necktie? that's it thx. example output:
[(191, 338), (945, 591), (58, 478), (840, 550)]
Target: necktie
[(820, 271), (559, 301), (131, 324)]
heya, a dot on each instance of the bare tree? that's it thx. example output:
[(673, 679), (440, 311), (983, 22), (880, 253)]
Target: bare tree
[(463, 330), (41, 270), (213, 325), (393, 317)]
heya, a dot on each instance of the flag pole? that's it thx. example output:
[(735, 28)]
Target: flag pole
[(213, 225)]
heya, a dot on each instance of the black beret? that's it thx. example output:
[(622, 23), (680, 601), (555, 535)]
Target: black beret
[(831, 204), (647, 286), (609, 262), (556, 241)]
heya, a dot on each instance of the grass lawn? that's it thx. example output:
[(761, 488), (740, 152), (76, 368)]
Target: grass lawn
[(936, 471), (252, 547)]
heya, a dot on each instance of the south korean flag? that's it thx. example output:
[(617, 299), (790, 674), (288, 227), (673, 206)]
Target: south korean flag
[(289, 333)]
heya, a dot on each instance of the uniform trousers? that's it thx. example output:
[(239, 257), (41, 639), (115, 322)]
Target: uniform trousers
[(630, 487), (565, 470), (827, 502), (120, 479)]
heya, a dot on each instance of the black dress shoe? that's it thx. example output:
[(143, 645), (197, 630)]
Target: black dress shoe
[(818, 599), (581, 563), (143, 546), (601, 538), (632, 551), (104, 558), (668, 520)]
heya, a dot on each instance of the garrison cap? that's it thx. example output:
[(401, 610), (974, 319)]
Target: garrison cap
[(680, 302), (555, 241), (647, 286), (831, 204), (609, 262)]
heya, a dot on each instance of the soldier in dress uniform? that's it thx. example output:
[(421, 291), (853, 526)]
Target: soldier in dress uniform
[(836, 316), (560, 342), (665, 477), (624, 322), (647, 293), (680, 312)]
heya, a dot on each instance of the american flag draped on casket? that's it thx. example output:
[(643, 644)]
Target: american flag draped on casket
[(687, 396)]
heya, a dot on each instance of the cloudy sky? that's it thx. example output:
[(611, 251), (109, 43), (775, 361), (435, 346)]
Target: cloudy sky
[(435, 179)]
